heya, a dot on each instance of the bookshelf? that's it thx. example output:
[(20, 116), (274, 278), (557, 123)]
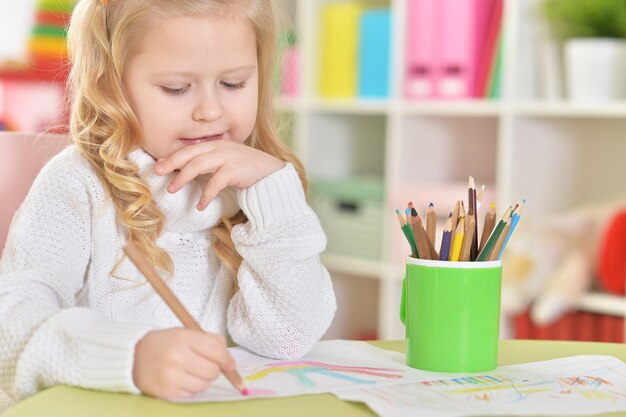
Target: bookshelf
[(420, 151)]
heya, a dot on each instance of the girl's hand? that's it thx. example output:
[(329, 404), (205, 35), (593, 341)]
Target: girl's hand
[(177, 363), (231, 163)]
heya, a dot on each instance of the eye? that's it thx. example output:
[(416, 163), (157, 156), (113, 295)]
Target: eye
[(174, 91), (234, 86)]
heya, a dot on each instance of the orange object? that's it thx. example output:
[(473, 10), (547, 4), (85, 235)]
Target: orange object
[(612, 257)]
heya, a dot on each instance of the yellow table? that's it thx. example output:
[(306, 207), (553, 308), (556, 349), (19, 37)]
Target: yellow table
[(63, 401)]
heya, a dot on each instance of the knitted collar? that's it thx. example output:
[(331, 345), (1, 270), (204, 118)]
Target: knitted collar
[(180, 208)]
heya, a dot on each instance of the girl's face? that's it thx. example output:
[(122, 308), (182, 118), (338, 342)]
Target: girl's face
[(194, 80)]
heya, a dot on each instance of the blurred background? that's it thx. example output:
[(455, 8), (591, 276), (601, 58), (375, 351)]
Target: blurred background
[(393, 101)]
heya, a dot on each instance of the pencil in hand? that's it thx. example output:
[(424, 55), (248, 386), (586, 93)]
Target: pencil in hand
[(174, 304)]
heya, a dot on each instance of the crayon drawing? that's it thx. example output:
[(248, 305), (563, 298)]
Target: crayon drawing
[(331, 366), (573, 386), (301, 370)]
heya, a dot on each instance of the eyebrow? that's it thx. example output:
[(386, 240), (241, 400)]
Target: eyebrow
[(191, 74)]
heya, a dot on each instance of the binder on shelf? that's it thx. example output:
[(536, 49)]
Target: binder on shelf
[(339, 43), (488, 47), (374, 53), (495, 77), (464, 26), (457, 34), (421, 49)]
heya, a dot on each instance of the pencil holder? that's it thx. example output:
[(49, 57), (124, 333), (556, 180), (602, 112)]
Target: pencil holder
[(451, 311)]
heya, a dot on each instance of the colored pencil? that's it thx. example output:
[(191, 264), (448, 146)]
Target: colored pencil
[(462, 210), (455, 214), (500, 242), (470, 228), (472, 210), (514, 220), (140, 261), (457, 240), (484, 254), (446, 240), (427, 250), (408, 233), (431, 224), (488, 225)]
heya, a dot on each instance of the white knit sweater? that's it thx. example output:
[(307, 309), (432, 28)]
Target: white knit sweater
[(65, 320)]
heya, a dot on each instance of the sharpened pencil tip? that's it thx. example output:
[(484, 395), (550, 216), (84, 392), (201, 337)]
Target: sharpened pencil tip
[(431, 205), (397, 211), (245, 392)]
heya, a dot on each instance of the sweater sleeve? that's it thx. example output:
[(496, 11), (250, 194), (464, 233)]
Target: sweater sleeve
[(285, 301), (47, 339)]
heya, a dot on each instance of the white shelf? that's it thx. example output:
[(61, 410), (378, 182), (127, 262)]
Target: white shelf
[(451, 108), (348, 106), (604, 304), (573, 110)]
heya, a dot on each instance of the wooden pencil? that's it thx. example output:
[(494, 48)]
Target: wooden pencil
[(515, 217), (423, 244), (455, 214), (488, 225), (431, 224), (462, 210), (426, 242), (408, 234), (457, 240), (140, 261), (500, 242), (485, 253), (470, 224), (472, 210), (446, 240)]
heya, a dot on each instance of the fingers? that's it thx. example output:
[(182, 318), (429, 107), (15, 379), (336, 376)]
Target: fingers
[(193, 384), (180, 158), (202, 164), (220, 180), (213, 347)]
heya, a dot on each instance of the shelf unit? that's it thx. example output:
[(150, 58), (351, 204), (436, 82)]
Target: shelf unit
[(422, 147)]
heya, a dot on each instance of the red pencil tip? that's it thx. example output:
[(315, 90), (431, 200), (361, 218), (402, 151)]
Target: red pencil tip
[(245, 392)]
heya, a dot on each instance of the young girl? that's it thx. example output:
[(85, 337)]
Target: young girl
[(175, 149)]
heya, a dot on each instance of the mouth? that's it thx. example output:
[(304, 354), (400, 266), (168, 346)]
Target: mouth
[(192, 141)]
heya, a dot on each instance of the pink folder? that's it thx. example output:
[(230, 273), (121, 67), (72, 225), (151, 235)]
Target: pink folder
[(456, 34), (421, 48)]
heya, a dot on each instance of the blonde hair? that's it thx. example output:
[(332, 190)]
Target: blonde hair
[(101, 40)]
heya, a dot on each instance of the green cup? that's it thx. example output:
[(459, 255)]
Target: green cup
[(451, 311)]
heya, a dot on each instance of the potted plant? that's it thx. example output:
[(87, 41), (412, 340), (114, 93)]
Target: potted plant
[(594, 35)]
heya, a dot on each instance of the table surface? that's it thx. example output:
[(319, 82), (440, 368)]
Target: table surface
[(68, 401)]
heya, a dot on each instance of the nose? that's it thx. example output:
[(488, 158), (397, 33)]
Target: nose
[(207, 108)]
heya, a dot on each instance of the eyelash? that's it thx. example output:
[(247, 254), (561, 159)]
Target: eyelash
[(179, 91), (236, 86), (174, 91)]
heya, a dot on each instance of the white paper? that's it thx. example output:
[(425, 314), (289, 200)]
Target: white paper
[(331, 366), (574, 386)]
